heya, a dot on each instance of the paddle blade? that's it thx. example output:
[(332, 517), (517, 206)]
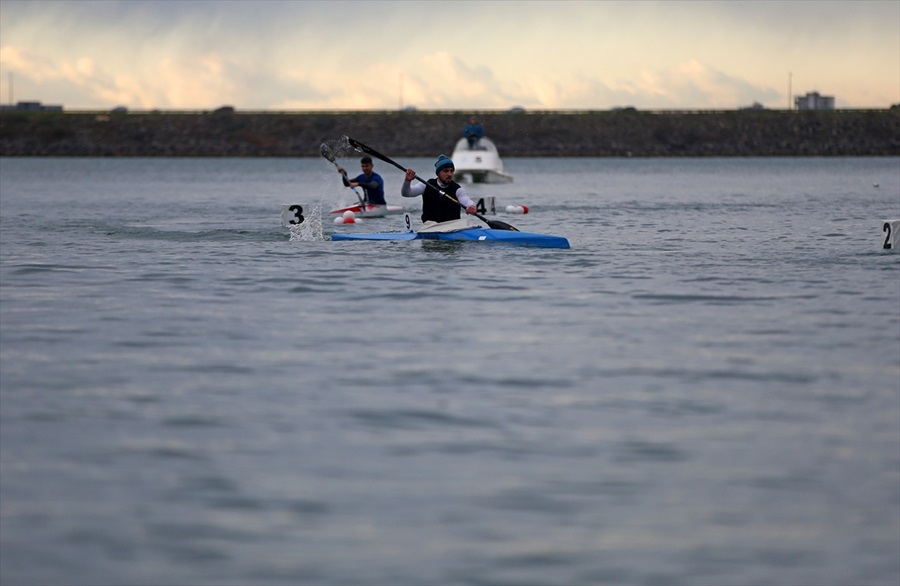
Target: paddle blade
[(498, 225), (325, 151)]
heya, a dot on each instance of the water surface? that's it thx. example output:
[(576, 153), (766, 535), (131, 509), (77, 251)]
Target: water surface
[(704, 390)]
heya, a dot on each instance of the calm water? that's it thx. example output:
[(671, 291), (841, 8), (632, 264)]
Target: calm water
[(704, 390)]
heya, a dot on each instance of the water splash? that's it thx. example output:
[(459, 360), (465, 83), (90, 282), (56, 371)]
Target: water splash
[(340, 147)]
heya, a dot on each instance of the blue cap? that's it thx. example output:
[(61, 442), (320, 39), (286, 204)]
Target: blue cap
[(443, 161)]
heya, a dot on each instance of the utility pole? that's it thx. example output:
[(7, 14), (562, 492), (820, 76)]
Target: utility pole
[(790, 96)]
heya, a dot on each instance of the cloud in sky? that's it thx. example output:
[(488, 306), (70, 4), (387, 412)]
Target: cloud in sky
[(311, 55)]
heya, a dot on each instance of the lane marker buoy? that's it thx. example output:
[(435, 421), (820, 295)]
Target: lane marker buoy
[(348, 218), (516, 209)]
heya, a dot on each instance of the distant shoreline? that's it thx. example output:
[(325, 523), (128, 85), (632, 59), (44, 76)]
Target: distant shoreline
[(630, 133)]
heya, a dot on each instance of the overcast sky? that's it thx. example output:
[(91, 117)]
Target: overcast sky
[(463, 55)]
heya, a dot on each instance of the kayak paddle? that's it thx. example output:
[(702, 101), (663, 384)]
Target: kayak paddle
[(495, 224), (326, 152)]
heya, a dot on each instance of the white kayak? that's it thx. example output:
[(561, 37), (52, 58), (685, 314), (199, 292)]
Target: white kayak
[(371, 211)]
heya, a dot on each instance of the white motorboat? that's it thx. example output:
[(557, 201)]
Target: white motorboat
[(480, 164)]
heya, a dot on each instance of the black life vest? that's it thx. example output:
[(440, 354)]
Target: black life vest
[(436, 207)]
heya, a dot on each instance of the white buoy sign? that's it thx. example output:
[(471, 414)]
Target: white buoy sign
[(891, 232), (486, 205), (292, 214)]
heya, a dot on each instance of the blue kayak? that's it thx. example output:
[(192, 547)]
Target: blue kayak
[(467, 235)]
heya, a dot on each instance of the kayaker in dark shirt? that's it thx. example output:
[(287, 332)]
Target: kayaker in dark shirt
[(437, 207), (369, 180)]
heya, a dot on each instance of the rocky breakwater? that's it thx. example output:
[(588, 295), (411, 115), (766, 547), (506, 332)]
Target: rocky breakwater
[(424, 133)]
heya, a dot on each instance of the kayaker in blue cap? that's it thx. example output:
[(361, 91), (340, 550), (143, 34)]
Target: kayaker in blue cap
[(437, 207)]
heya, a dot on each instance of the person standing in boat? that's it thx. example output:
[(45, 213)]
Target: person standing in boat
[(437, 207), (369, 180), (473, 132)]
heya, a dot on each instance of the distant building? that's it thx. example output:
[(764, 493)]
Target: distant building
[(31, 107), (813, 101)]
